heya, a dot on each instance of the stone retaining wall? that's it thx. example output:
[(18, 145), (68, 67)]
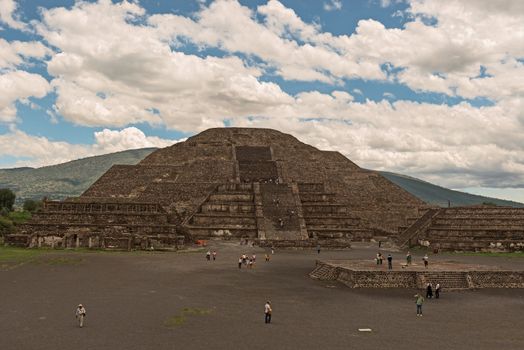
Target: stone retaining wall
[(415, 279)]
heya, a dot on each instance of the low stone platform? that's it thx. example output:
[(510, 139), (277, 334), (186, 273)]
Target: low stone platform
[(450, 275)]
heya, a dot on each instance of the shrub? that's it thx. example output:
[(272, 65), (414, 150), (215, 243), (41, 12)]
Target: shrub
[(6, 226), (32, 206)]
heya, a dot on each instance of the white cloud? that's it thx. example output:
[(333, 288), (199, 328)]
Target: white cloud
[(128, 138), (41, 151), (16, 53), (110, 72), (19, 85), (8, 14), (333, 5)]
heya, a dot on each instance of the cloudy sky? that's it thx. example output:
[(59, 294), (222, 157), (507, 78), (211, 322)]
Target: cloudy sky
[(428, 88)]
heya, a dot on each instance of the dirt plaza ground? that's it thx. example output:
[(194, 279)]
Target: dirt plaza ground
[(141, 300)]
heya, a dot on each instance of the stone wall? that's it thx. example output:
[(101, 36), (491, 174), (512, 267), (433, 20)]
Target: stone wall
[(476, 229), (449, 280)]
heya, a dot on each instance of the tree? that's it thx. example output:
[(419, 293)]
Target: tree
[(7, 199), (32, 206), (6, 226)]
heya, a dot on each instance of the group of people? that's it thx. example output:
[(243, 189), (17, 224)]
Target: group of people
[(209, 255), (248, 261), (379, 259), (419, 298), (429, 291)]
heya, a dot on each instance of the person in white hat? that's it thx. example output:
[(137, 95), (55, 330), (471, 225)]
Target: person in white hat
[(80, 314)]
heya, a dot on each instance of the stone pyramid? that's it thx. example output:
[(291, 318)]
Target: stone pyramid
[(233, 183)]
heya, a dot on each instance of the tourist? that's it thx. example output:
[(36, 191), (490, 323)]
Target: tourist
[(272, 250), (281, 222), (318, 249), (408, 258), (214, 255), (378, 259), (426, 261), (80, 314), (429, 291), (437, 291), (254, 257), (208, 255), (419, 300), (244, 259), (267, 257), (267, 311), (250, 264), (379, 243), (240, 262), (390, 262)]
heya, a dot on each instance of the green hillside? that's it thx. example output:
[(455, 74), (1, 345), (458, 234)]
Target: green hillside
[(72, 178), (67, 179), (437, 195)]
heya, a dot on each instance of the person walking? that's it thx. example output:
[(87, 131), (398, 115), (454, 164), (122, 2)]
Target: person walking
[(408, 258), (267, 311), (318, 249), (426, 261), (267, 257), (390, 262), (240, 262), (80, 314), (380, 258), (419, 300), (254, 258), (208, 255), (437, 291), (429, 291), (214, 255)]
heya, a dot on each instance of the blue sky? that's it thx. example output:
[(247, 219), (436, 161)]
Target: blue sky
[(429, 89)]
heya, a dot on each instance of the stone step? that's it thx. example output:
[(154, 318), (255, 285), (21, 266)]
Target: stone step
[(228, 207), (310, 187), (322, 197), (324, 273), (205, 232), (501, 227), (316, 209), (352, 233), (212, 220), (231, 197), (235, 187)]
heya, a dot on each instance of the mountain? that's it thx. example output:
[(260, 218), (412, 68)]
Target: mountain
[(440, 196), (72, 178), (65, 180)]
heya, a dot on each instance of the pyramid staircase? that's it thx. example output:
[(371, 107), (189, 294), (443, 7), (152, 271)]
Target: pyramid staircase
[(228, 212), (325, 219), (448, 280), (324, 272)]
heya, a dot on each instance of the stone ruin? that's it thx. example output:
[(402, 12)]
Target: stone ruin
[(480, 228), (228, 183), (234, 183), (462, 278)]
